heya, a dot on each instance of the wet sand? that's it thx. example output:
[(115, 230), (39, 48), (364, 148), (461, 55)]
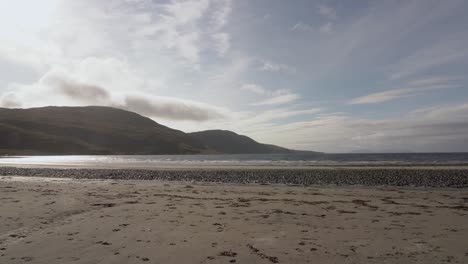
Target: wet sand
[(48, 220)]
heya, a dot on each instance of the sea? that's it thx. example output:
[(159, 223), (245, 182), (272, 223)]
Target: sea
[(280, 160)]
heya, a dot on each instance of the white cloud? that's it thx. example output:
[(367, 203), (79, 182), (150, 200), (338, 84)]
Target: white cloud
[(185, 44), (10, 100), (181, 27), (326, 28), (254, 88), (224, 79), (270, 66), (221, 43), (22, 55), (330, 14), (327, 11), (177, 29), (300, 26), (66, 89), (185, 12), (119, 46), (109, 72), (222, 13)]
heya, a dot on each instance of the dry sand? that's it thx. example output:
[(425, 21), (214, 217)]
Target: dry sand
[(104, 221)]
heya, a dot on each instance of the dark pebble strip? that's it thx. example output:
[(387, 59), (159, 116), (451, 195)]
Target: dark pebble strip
[(423, 177)]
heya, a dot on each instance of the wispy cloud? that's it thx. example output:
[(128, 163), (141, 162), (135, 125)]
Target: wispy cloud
[(221, 43), (443, 128), (279, 99), (178, 27), (396, 93), (327, 11), (300, 26), (435, 80), (265, 118), (248, 122), (220, 16), (181, 26), (446, 51), (270, 66), (254, 88), (275, 97), (223, 9), (326, 28)]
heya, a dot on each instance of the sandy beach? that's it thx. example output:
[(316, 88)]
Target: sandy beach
[(51, 220)]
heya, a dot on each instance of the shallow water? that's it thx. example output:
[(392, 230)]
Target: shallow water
[(296, 159)]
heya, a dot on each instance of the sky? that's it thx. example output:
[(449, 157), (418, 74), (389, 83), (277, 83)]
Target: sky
[(331, 76)]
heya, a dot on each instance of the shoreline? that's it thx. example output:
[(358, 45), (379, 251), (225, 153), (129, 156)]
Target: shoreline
[(442, 177), (233, 167)]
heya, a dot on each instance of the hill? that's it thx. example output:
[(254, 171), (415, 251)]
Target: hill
[(225, 141), (88, 130), (106, 130)]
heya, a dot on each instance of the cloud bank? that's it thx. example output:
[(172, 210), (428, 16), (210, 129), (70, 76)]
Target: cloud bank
[(169, 108), (76, 90)]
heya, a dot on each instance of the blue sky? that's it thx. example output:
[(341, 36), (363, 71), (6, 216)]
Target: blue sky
[(333, 76)]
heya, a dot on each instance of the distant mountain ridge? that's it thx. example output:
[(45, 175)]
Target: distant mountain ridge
[(105, 130), (225, 141)]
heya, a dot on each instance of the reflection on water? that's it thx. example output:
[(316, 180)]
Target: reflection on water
[(296, 159)]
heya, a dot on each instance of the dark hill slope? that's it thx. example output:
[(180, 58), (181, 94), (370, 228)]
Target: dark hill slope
[(88, 130), (224, 141), (106, 130)]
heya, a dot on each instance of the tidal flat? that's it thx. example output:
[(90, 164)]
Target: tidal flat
[(64, 220)]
